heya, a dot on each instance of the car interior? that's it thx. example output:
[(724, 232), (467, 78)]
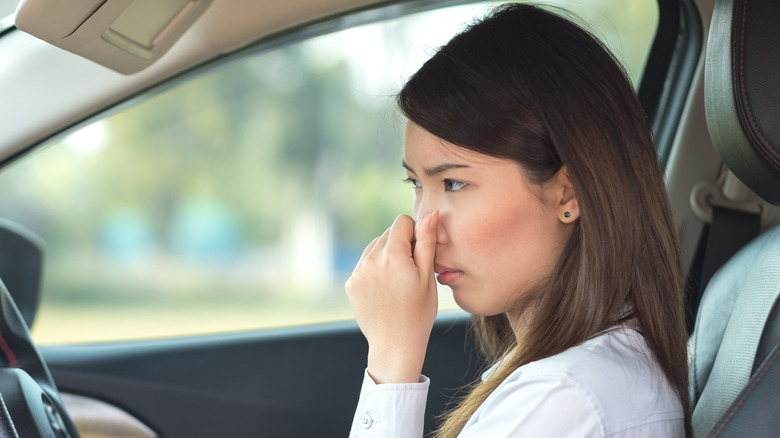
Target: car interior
[(735, 341), (708, 85)]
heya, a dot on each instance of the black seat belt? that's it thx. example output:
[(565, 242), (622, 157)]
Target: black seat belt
[(729, 231)]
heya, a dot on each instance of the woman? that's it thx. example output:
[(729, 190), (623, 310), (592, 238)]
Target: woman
[(540, 202)]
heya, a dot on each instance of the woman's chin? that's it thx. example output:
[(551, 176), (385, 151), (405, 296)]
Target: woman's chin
[(465, 303)]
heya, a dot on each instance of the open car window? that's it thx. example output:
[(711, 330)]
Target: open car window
[(241, 197)]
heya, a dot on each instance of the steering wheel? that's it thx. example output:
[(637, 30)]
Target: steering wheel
[(30, 405)]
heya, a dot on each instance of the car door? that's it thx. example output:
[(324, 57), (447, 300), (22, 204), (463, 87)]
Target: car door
[(198, 237)]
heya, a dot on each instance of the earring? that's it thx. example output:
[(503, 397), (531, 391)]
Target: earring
[(566, 214)]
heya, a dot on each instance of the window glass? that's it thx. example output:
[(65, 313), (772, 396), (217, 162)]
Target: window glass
[(242, 198), (7, 8)]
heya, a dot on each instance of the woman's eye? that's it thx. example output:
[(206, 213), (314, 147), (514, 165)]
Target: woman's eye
[(415, 184), (452, 185)]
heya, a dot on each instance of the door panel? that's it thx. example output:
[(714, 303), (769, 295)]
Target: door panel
[(282, 383)]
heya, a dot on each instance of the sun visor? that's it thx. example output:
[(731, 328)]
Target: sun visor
[(123, 35)]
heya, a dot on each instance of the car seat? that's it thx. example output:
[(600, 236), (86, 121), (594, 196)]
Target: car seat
[(735, 345)]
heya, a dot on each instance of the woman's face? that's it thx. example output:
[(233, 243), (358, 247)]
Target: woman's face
[(496, 238)]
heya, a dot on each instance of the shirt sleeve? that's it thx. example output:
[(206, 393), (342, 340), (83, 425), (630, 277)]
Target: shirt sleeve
[(390, 410), (539, 406)]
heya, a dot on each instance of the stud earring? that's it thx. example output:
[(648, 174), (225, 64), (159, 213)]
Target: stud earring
[(566, 214)]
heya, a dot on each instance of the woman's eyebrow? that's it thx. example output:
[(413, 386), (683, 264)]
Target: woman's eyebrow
[(438, 169)]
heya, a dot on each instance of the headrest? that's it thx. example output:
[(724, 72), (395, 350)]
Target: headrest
[(742, 91)]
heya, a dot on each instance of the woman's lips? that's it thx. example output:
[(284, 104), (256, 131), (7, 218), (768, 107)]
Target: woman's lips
[(446, 276)]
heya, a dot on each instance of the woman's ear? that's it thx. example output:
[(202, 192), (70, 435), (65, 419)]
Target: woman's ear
[(568, 208)]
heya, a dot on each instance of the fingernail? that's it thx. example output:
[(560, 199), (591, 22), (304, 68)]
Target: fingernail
[(422, 220), (433, 219)]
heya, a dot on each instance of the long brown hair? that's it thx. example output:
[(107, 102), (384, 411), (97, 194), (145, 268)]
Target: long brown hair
[(529, 85)]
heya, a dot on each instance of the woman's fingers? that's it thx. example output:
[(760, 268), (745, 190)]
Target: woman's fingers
[(401, 235), (425, 247), (378, 242), (368, 249), (393, 295)]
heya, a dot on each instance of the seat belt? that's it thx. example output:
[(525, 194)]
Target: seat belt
[(748, 412), (729, 231), (749, 289)]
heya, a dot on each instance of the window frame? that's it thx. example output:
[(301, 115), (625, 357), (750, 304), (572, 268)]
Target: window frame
[(669, 70)]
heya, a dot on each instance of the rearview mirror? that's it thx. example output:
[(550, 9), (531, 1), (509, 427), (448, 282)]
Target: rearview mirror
[(21, 265)]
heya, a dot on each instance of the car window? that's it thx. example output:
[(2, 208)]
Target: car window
[(241, 197), (7, 8)]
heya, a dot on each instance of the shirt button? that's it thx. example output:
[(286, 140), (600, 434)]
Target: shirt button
[(366, 421)]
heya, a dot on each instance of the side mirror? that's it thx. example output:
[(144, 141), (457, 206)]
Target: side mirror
[(21, 265)]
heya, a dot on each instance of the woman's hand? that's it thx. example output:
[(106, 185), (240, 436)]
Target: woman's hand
[(393, 295)]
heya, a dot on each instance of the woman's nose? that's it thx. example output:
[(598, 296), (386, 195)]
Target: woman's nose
[(425, 207)]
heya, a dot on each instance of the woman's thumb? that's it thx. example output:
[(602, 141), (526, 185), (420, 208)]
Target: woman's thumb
[(425, 247)]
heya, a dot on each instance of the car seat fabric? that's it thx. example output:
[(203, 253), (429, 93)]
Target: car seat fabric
[(747, 416), (729, 327)]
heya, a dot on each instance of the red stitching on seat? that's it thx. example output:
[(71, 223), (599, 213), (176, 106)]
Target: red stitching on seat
[(744, 92), (748, 392), (9, 353)]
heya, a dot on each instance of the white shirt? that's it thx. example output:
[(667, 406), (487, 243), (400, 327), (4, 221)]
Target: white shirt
[(608, 386)]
